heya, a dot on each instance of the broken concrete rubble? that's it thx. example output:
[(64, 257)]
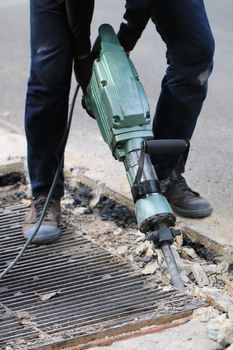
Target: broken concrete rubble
[(219, 300), (187, 268), (220, 330), (205, 314), (188, 253), (200, 275), (150, 268), (215, 269), (131, 244)]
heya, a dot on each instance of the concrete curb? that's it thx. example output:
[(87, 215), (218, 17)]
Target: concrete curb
[(215, 229)]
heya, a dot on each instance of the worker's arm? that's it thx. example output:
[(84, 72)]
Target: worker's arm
[(79, 16), (137, 16)]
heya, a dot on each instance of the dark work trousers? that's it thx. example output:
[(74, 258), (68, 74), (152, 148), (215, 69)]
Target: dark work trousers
[(48, 93), (184, 27)]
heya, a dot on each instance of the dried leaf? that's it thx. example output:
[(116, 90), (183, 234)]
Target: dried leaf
[(47, 296), (25, 201), (22, 315), (24, 318)]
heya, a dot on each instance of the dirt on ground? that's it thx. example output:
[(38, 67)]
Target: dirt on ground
[(114, 226), (206, 274)]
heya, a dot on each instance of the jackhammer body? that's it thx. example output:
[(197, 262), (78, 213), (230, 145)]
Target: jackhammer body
[(116, 98)]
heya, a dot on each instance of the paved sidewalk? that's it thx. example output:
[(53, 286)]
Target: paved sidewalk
[(190, 336)]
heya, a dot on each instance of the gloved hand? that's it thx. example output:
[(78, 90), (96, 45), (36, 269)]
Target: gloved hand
[(83, 70), (137, 16)]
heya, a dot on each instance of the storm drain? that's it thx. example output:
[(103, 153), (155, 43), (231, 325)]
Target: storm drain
[(74, 291)]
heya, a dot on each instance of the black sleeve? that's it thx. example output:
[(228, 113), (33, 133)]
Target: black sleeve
[(79, 15), (137, 15)]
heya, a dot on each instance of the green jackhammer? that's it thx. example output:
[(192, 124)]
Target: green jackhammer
[(116, 98)]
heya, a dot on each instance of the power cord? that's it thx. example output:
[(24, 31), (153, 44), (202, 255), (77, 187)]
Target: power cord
[(63, 145)]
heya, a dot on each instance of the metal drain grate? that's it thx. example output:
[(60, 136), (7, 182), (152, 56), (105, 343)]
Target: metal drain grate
[(98, 294)]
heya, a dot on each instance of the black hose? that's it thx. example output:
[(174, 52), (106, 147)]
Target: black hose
[(60, 164)]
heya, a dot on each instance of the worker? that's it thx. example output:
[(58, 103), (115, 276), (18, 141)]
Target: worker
[(184, 27), (60, 35)]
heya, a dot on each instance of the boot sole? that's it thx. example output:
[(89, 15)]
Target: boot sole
[(197, 214), (43, 237)]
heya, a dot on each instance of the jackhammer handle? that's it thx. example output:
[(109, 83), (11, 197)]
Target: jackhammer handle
[(162, 147)]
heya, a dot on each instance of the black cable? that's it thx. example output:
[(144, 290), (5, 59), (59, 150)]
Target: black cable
[(63, 145)]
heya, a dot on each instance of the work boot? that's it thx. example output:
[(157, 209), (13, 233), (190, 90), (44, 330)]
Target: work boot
[(183, 199), (49, 230)]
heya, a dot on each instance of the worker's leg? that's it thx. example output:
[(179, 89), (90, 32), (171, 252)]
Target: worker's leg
[(47, 94), (46, 113), (184, 27)]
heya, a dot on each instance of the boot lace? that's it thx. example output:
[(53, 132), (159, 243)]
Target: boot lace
[(182, 184), (39, 206)]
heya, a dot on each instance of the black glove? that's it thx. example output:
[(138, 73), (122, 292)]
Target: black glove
[(137, 16), (83, 70)]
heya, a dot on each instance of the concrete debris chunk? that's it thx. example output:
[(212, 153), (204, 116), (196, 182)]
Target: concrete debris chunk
[(167, 288), (67, 200), (79, 210), (184, 277), (73, 182), (229, 286), (205, 314), (25, 201), (160, 257), (222, 267), (188, 253), (179, 240), (150, 268), (97, 195), (220, 330), (210, 269), (149, 251), (118, 231), (219, 300), (122, 250), (215, 269), (230, 347), (140, 239), (200, 275), (141, 248)]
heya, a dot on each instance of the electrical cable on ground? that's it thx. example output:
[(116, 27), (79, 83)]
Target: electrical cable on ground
[(63, 145)]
